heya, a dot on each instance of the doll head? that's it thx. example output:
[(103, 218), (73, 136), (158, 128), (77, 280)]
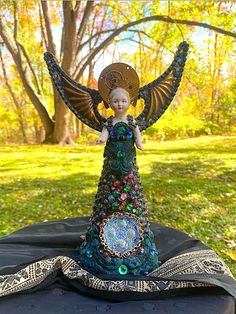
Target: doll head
[(118, 76), (119, 100)]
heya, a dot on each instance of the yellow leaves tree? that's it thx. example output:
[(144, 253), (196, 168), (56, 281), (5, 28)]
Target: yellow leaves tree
[(78, 31)]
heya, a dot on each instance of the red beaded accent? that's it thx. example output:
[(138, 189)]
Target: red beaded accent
[(117, 183)]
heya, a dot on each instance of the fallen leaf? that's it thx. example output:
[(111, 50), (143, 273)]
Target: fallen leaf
[(231, 254)]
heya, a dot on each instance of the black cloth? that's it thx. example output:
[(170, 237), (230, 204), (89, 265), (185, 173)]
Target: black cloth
[(57, 294), (61, 301), (62, 237)]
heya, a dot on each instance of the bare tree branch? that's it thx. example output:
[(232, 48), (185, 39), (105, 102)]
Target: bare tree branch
[(17, 105), (94, 36), (81, 30), (51, 45), (6, 80), (118, 10), (112, 30), (79, 63), (22, 48), (15, 19), (157, 41), (27, 83), (101, 27), (134, 41), (77, 6), (162, 18), (39, 90), (16, 30), (42, 28)]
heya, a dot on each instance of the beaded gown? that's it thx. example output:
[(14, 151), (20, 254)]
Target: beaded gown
[(119, 239)]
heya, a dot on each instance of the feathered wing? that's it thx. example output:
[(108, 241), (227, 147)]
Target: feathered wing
[(82, 101), (158, 94)]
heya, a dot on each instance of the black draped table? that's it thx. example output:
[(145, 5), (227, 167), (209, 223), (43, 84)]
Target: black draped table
[(40, 273)]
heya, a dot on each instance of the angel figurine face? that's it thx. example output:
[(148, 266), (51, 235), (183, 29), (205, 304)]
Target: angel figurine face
[(119, 101)]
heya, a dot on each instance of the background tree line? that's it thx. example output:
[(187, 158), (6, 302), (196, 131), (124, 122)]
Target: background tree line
[(85, 35)]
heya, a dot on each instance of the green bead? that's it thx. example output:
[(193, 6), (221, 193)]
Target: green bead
[(121, 130), (89, 253), (123, 270), (111, 198), (129, 207), (116, 193), (114, 205), (120, 154), (138, 211), (126, 189)]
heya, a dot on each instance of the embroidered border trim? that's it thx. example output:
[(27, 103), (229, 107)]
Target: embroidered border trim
[(202, 262)]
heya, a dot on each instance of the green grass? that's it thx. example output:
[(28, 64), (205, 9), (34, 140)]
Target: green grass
[(189, 184)]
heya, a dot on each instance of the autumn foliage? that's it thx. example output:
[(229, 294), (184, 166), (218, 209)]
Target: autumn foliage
[(87, 36)]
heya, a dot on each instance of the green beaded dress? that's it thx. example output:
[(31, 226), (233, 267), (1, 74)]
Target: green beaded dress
[(119, 239)]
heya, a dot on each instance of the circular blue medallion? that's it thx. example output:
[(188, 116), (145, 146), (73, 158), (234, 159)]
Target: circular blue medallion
[(121, 234)]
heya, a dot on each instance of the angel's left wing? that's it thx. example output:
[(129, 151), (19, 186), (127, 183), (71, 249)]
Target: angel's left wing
[(81, 100), (158, 94)]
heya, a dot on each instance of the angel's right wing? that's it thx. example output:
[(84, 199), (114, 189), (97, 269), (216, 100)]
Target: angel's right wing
[(158, 94), (81, 100)]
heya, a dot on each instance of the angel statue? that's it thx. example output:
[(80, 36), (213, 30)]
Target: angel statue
[(117, 254), (119, 240)]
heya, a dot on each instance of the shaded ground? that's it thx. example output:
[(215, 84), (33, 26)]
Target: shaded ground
[(188, 184)]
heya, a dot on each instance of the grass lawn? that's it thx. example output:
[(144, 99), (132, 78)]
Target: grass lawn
[(189, 184)]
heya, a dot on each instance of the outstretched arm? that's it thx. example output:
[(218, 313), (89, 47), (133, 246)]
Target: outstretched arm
[(138, 138), (103, 136)]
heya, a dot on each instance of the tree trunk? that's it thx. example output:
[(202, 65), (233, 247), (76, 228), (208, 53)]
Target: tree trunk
[(38, 130), (78, 127), (21, 121), (61, 133), (23, 70)]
